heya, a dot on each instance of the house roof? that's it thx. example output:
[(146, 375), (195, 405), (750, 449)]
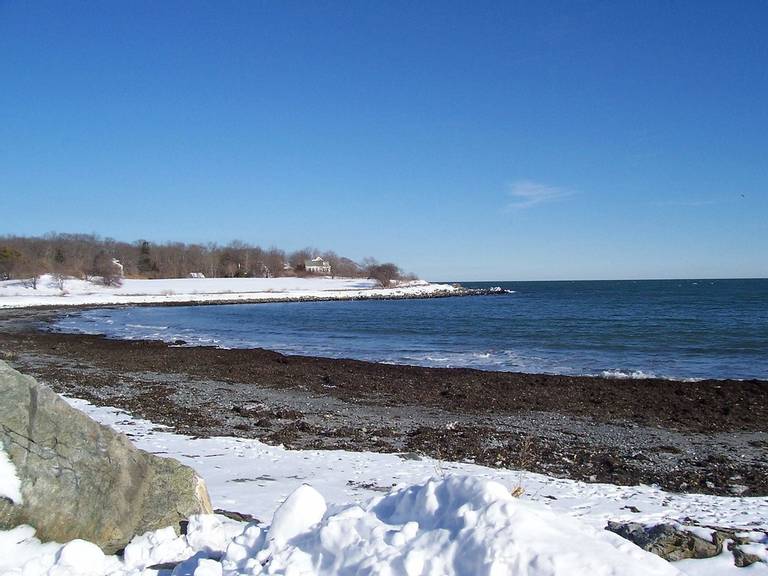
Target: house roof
[(315, 262)]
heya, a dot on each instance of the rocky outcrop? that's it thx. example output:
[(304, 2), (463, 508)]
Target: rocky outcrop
[(80, 479), (676, 542), (668, 541)]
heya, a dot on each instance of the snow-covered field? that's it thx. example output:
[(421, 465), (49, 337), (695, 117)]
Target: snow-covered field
[(18, 294), (335, 512)]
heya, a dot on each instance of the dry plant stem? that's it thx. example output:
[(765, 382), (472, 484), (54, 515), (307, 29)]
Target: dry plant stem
[(524, 461)]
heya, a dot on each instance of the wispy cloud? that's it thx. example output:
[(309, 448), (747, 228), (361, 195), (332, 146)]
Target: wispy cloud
[(526, 194), (689, 202)]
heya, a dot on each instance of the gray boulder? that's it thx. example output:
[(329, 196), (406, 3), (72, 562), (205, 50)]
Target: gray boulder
[(80, 479), (673, 542), (668, 541)]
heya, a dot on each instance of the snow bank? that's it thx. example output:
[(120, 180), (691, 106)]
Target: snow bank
[(454, 526), (21, 554), (10, 485), (15, 294), (723, 565)]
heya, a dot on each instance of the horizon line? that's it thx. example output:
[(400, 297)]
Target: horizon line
[(674, 279)]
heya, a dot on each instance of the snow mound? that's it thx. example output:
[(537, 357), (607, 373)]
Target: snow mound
[(304, 508), (457, 526), (21, 554)]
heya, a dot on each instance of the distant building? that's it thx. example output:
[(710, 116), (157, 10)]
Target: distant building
[(318, 266)]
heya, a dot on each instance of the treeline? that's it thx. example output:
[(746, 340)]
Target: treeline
[(88, 256)]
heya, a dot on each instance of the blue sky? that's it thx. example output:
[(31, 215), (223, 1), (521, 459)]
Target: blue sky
[(462, 140)]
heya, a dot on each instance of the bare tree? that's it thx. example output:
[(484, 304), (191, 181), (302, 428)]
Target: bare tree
[(384, 274), (10, 260), (341, 266), (104, 267), (85, 256), (195, 261), (59, 280), (30, 272), (274, 261)]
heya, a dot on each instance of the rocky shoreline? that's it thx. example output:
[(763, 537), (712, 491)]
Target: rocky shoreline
[(709, 436)]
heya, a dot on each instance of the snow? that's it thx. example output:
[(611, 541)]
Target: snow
[(458, 525), (336, 512), (721, 565), (76, 292), (10, 486), (302, 509), (21, 554), (700, 531), (81, 556)]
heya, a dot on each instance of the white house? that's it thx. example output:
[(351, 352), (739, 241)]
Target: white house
[(318, 266)]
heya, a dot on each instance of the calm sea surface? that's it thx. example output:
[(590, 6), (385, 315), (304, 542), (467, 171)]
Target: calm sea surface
[(670, 328)]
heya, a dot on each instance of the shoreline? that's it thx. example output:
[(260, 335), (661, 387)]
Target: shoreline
[(459, 293), (707, 436), (408, 291)]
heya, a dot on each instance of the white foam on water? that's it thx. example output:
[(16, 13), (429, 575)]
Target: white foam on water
[(627, 375)]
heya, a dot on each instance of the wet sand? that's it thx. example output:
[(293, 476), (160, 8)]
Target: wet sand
[(709, 436)]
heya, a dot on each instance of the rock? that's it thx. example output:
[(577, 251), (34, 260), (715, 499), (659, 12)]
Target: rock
[(668, 541), (237, 516), (672, 542), (742, 559), (82, 480)]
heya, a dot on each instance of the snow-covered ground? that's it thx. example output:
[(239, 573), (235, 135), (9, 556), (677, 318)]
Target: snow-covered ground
[(18, 294), (10, 486), (336, 512)]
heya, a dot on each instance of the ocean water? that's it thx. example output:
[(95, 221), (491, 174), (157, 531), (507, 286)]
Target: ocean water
[(682, 329)]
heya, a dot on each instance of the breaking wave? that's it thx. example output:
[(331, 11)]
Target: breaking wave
[(627, 375)]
